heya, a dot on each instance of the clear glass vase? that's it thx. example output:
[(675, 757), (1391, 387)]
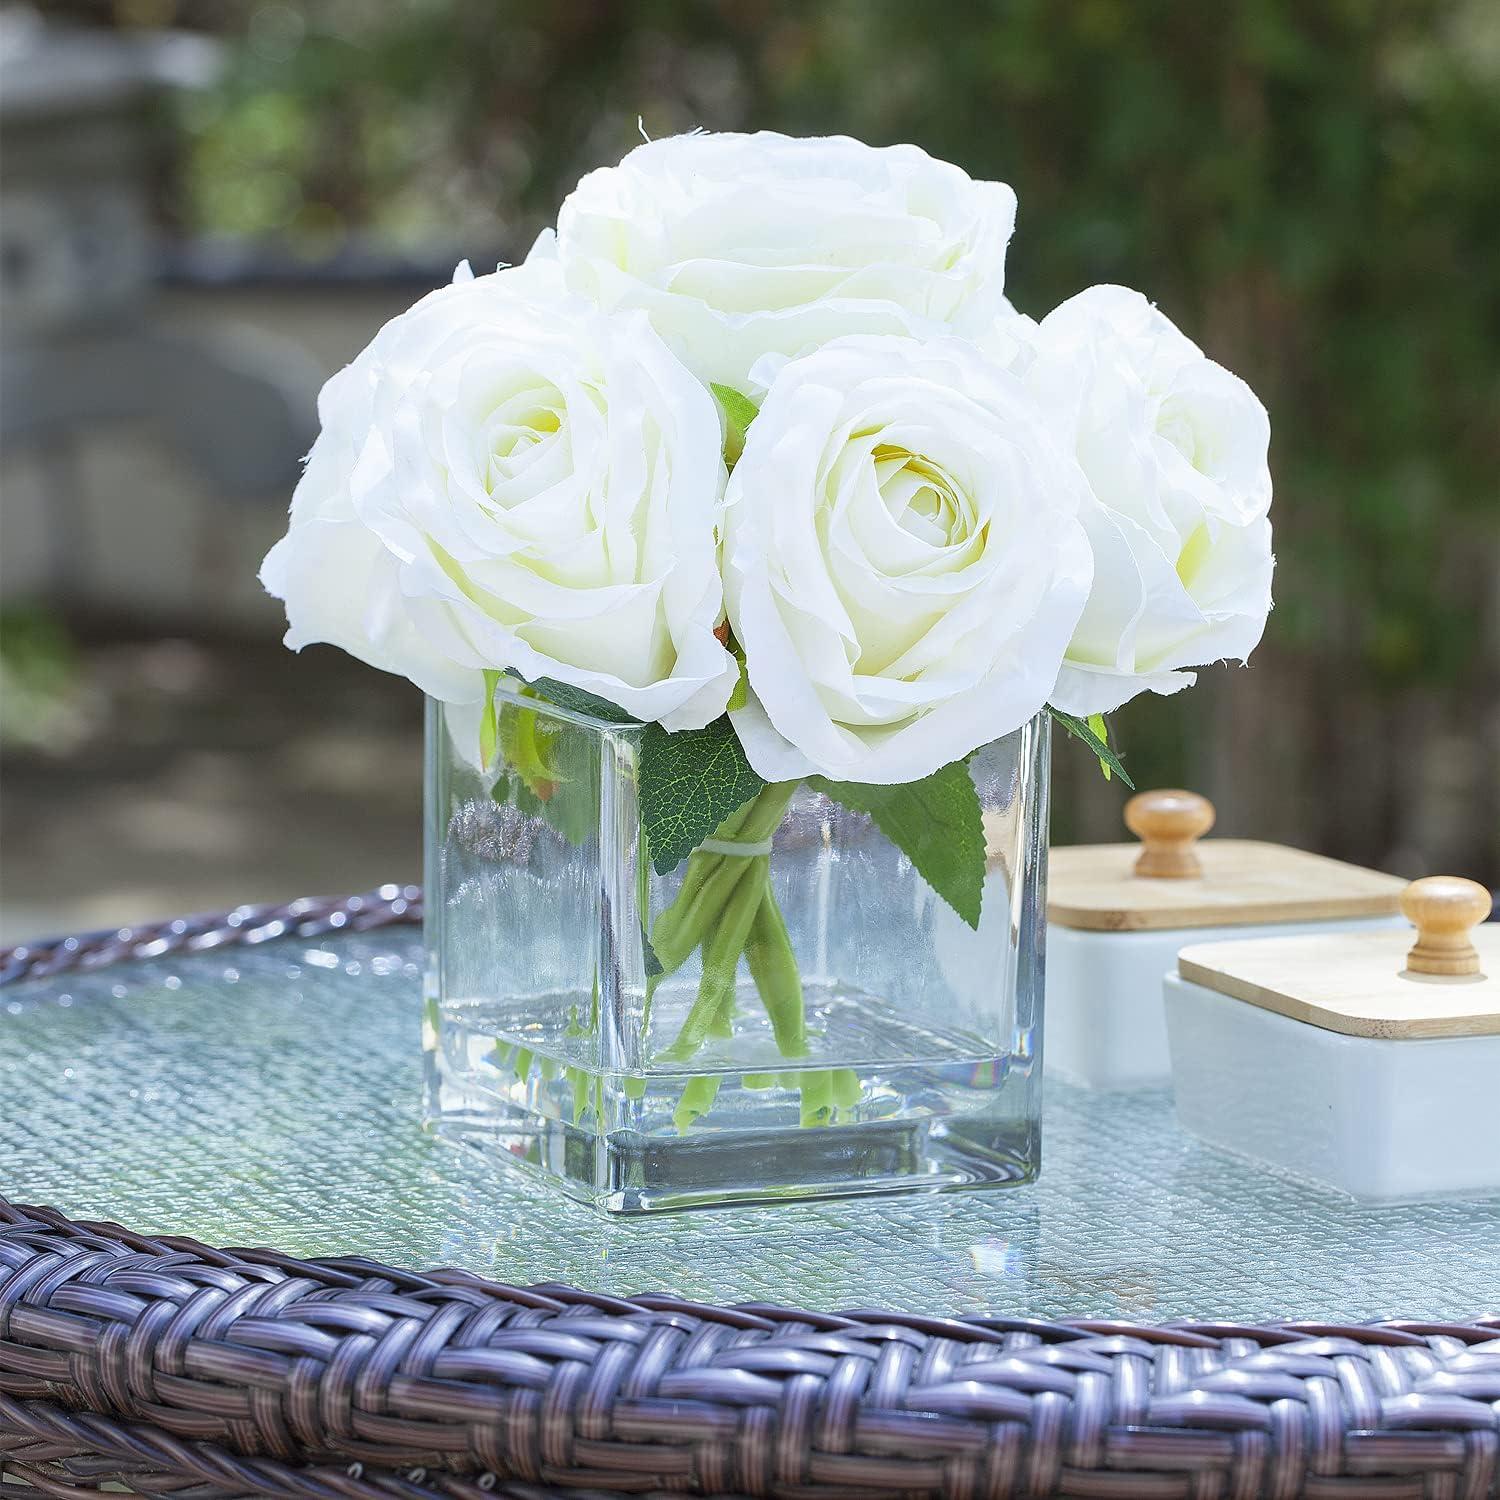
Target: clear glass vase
[(902, 1054)]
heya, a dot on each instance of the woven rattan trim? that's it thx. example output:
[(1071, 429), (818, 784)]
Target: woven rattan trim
[(245, 926), (166, 1364)]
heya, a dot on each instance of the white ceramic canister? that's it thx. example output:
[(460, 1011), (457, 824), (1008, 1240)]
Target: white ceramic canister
[(1359, 1061), (1117, 914)]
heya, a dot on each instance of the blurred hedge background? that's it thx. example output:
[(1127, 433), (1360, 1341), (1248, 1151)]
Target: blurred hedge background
[(1309, 190)]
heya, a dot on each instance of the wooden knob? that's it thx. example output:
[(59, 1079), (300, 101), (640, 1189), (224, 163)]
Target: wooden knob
[(1168, 824), (1444, 909)]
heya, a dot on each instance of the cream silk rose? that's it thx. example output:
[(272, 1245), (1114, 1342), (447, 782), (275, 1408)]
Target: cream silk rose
[(904, 566), (1175, 450), (508, 480), (742, 245)]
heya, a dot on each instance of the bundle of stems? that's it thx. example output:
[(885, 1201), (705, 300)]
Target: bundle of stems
[(727, 908)]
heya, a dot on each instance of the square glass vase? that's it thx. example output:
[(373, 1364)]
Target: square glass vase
[(903, 1054)]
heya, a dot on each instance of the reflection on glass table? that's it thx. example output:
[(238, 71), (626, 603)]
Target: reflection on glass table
[(272, 1096)]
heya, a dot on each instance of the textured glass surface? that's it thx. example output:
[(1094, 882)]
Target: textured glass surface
[(271, 1096), (899, 1054)]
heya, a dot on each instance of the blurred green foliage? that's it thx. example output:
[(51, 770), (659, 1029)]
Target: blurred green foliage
[(1308, 187), (41, 682)]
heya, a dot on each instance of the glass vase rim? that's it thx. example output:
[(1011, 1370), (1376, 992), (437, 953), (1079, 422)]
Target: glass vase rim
[(513, 687), (514, 690)]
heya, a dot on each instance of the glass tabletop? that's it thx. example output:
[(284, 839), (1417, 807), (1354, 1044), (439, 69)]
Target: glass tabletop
[(271, 1096)]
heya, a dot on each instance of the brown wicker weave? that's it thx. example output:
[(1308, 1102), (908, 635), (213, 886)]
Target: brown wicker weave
[(308, 917), (178, 1369), (162, 1366)]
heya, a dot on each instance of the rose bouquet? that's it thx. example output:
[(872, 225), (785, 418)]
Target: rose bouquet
[(753, 451)]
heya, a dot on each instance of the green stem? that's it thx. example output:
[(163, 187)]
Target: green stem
[(667, 930), (697, 1099), (683, 926), (726, 881), (817, 1098), (766, 813), (846, 1091), (773, 967), (727, 907), (711, 880), (721, 957)]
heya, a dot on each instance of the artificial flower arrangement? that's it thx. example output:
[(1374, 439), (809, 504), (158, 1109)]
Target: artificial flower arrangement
[(753, 451)]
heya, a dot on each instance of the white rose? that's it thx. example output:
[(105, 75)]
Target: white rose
[(507, 479), (742, 245), (1175, 450), (340, 584), (903, 563)]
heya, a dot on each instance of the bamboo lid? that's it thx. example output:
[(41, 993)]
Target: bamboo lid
[(1443, 980), (1171, 879)]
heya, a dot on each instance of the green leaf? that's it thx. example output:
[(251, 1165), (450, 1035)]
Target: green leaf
[(1108, 760), (489, 732), (1101, 729), (648, 955), (937, 823), (527, 744), (689, 783), (564, 695), (552, 772), (741, 694), (739, 411)]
